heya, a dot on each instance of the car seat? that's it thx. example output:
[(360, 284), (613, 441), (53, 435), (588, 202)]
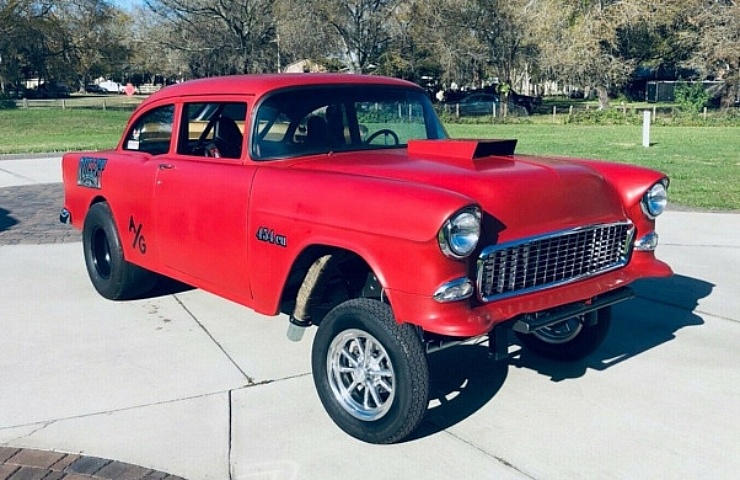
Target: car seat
[(317, 134), (228, 138)]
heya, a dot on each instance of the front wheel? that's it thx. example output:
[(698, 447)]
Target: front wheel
[(112, 276), (370, 372), (571, 339)]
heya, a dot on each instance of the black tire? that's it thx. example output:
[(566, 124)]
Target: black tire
[(572, 339), (111, 275), (383, 398)]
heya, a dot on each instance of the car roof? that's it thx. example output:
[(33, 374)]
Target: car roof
[(258, 85)]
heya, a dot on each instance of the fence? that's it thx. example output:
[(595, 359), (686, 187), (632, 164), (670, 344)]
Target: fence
[(491, 110), (565, 113), (115, 102), (665, 91)]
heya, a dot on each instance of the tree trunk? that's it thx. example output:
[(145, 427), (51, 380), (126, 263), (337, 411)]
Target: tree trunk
[(603, 97), (730, 91)]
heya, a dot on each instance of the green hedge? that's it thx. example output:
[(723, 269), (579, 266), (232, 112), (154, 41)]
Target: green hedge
[(6, 103)]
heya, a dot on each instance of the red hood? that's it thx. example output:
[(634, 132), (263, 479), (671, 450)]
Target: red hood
[(521, 195)]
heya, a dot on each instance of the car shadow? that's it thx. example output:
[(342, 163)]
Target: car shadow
[(463, 379), (660, 309), (165, 286), (6, 220)]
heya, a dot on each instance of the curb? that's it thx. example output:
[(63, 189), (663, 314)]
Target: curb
[(28, 464), (30, 156)]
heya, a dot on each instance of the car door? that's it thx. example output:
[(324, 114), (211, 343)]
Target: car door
[(202, 198)]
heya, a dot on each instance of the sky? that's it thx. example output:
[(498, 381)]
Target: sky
[(127, 4)]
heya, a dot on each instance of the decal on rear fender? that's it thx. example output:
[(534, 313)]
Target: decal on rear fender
[(139, 241), (90, 171)]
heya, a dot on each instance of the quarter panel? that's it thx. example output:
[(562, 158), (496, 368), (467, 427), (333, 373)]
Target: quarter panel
[(126, 182)]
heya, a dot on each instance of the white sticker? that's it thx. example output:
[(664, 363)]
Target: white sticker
[(132, 145)]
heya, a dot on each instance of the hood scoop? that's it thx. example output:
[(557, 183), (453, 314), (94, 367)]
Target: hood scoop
[(461, 149)]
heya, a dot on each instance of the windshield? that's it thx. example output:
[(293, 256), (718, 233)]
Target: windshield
[(341, 118)]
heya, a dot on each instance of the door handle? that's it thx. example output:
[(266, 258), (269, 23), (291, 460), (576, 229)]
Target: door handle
[(166, 166)]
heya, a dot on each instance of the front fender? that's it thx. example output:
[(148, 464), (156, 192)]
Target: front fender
[(391, 224), (630, 181)]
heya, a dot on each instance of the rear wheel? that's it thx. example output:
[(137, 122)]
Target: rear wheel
[(571, 339), (111, 275), (370, 372)]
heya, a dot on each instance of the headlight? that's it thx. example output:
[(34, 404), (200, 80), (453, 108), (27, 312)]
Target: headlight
[(655, 199), (460, 234)]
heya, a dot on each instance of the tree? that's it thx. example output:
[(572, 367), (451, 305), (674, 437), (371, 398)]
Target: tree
[(219, 37), (32, 40), (503, 28), (446, 28), (67, 40), (716, 36), (96, 34), (410, 53), (469, 42), (358, 29), (579, 43), (150, 60)]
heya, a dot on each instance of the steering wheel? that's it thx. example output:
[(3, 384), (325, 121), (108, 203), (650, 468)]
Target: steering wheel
[(200, 145), (383, 131)]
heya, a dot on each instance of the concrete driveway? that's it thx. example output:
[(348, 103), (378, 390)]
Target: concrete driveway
[(194, 385)]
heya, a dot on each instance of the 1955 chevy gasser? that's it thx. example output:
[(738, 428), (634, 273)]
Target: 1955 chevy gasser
[(340, 201)]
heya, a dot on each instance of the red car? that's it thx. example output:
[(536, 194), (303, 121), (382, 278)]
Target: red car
[(340, 201)]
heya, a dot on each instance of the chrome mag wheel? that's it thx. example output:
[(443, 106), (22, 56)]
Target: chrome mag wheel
[(562, 332), (571, 339), (361, 375), (370, 371)]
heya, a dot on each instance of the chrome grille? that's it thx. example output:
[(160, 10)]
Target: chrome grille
[(554, 259)]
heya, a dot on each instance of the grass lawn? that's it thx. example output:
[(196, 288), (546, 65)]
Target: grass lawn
[(703, 162), (55, 130)]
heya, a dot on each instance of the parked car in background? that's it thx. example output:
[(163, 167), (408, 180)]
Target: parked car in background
[(110, 86), (94, 88), (50, 90), (479, 104), (527, 102), (14, 92), (341, 202)]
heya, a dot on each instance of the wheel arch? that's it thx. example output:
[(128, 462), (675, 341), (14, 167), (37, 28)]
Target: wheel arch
[(118, 220), (97, 199), (110, 273), (329, 275)]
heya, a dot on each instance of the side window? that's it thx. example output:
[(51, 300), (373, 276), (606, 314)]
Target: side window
[(152, 132), (213, 129)]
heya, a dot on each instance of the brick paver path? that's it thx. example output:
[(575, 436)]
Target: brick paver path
[(27, 464), (30, 214)]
